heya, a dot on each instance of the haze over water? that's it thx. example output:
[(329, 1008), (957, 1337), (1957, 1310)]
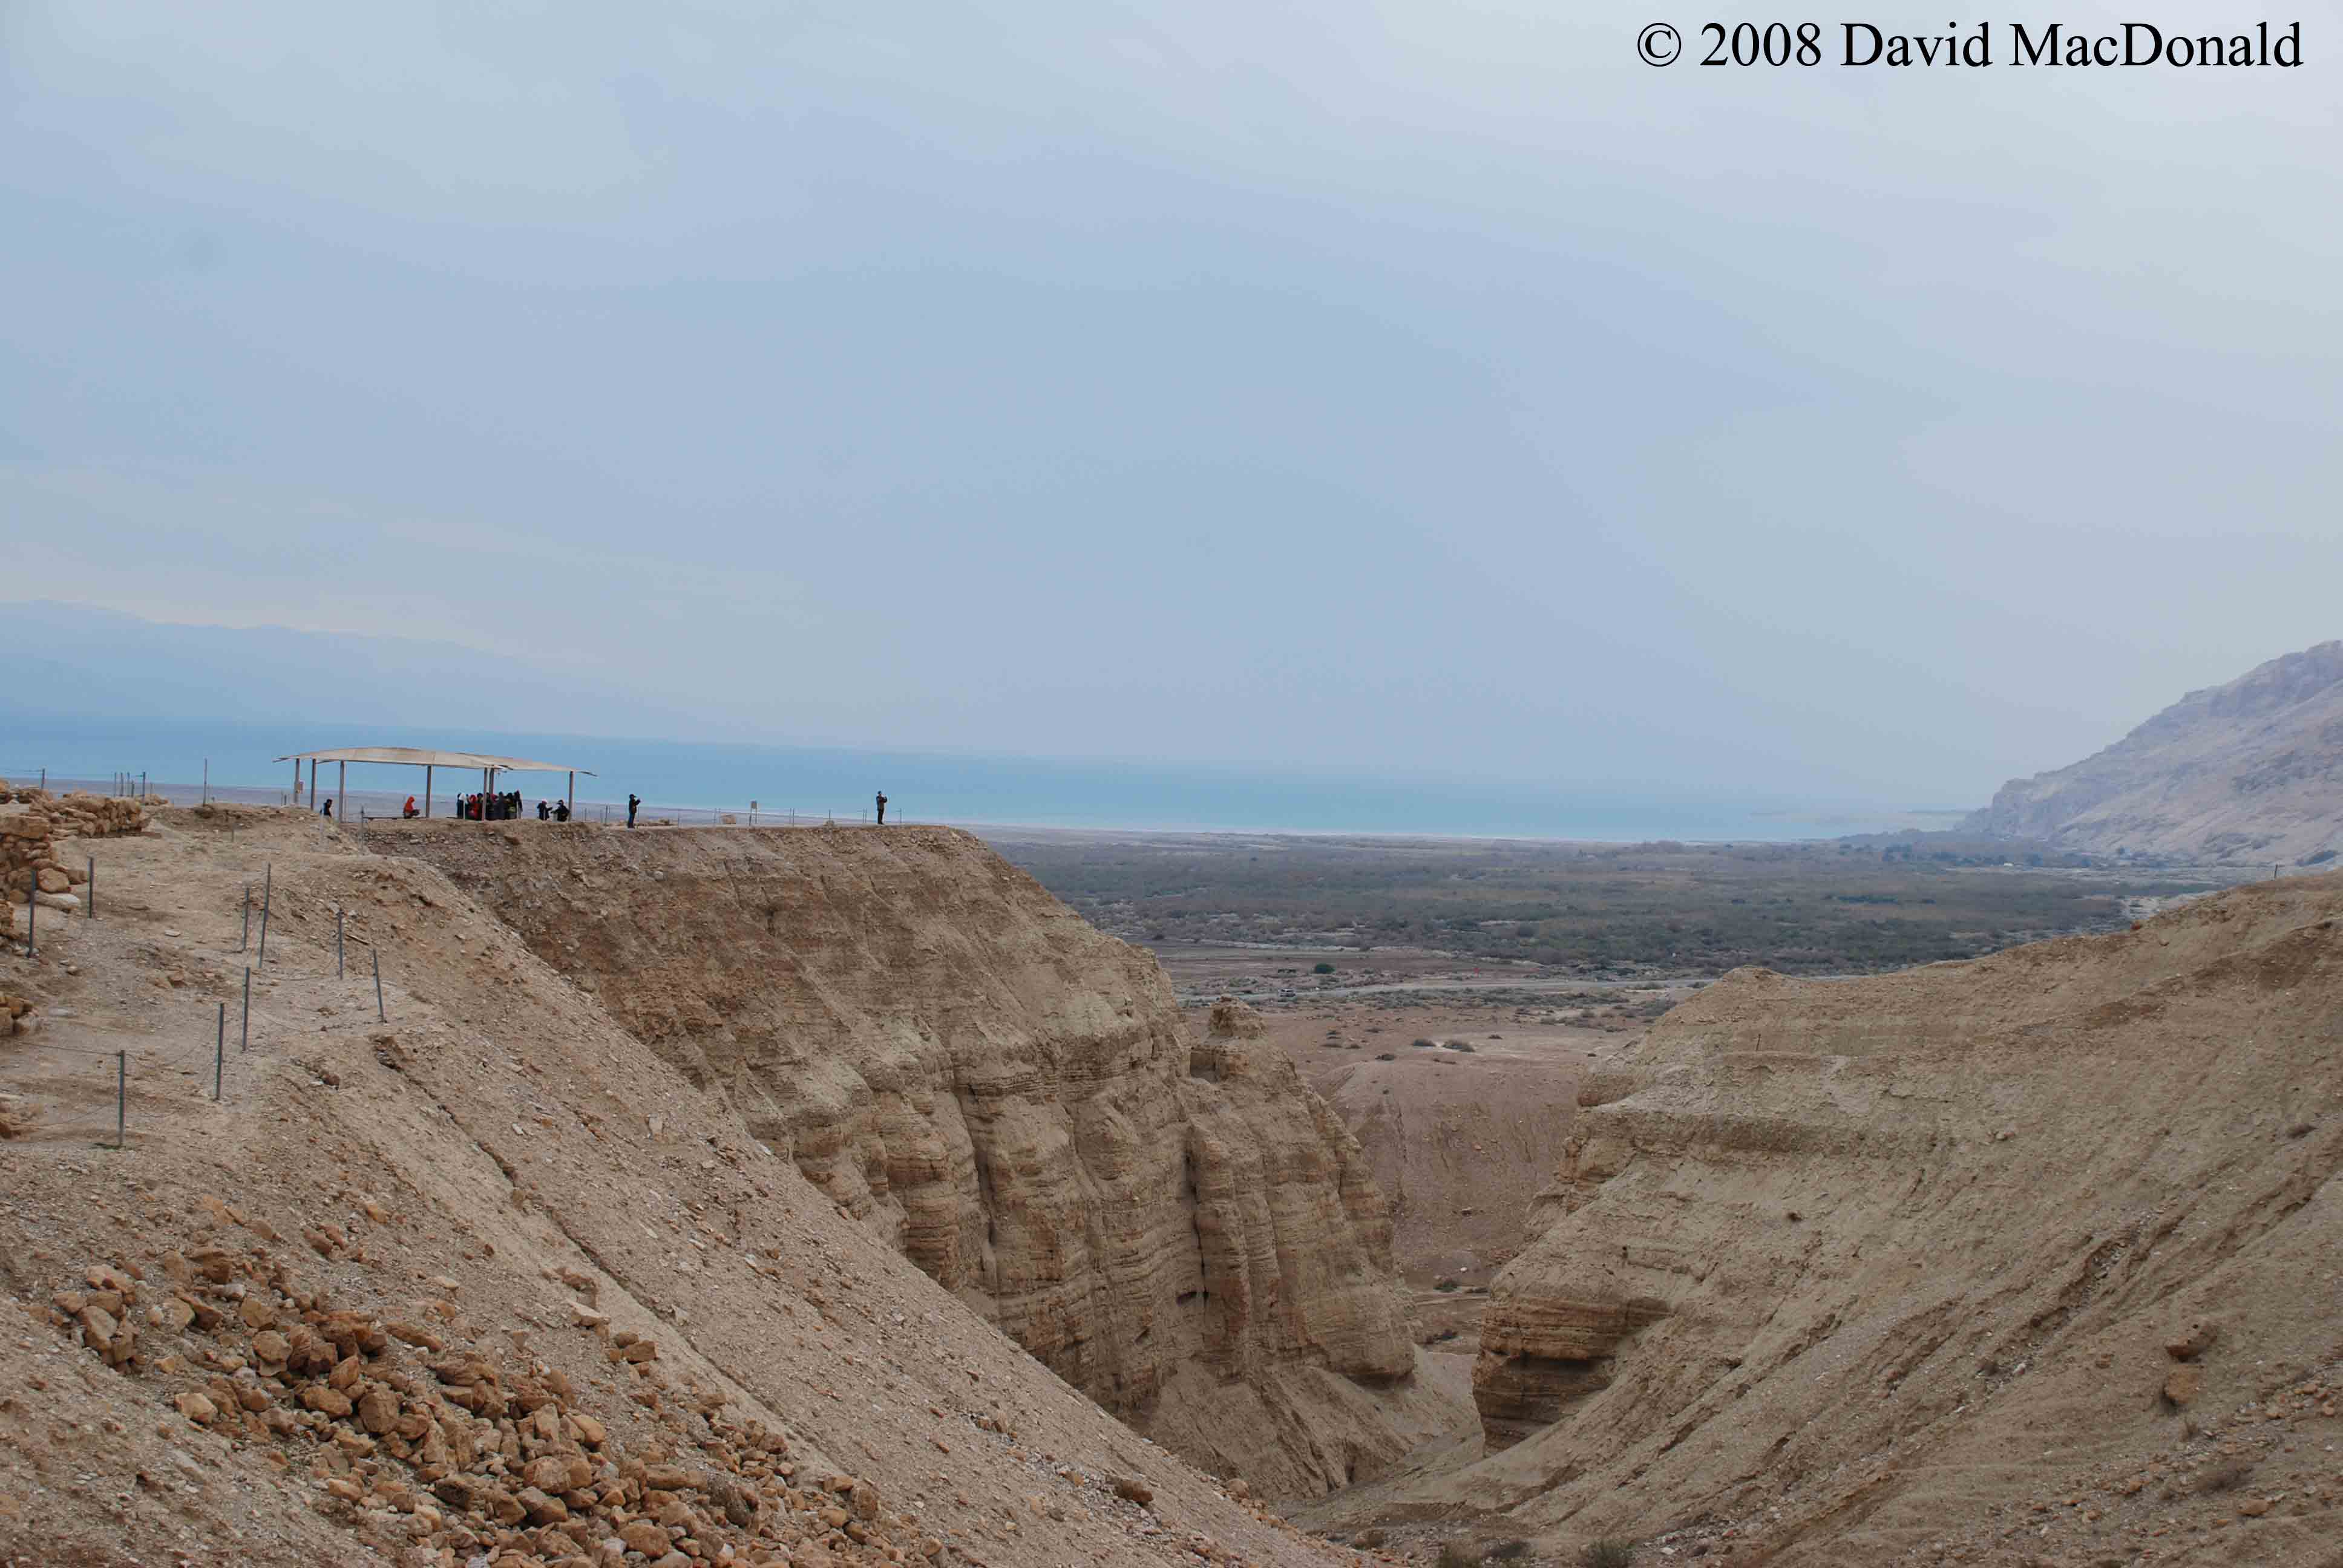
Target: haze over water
[(945, 787)]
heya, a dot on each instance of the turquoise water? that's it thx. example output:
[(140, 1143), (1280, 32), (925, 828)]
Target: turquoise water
[(930, 787)]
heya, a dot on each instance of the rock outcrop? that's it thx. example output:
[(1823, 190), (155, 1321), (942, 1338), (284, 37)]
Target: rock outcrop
[(1834, 1261), (2251, 771), (1013, 1101)]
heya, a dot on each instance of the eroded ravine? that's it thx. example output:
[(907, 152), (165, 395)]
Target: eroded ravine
[(1012, 1100)]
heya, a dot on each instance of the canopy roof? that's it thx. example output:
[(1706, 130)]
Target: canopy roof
[(416, 757)]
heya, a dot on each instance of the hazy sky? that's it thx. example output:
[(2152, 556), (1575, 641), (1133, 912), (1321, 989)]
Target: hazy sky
[(1423, 383)]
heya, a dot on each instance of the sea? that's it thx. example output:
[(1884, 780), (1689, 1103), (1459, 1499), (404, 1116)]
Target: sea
[(690, 781)]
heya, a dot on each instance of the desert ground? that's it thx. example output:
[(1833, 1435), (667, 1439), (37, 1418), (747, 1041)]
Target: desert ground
[(684, 1241)]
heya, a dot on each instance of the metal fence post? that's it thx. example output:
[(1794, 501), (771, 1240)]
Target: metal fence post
[(244, 941), (92, 879), (121, 1096), (380, 1015), (338, 941), (244, 1041), (219, 1054), (267, 883)]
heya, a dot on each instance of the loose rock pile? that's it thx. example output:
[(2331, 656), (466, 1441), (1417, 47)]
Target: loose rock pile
[(445, 1457)]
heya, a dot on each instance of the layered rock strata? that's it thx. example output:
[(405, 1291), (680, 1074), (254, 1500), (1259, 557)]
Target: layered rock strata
[(1012, 1099), (1829, 1249)]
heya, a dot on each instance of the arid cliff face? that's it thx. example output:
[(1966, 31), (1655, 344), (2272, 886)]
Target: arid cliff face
[(470, 1272), (2251, 771), (1012, 1100), (1846, 1266)]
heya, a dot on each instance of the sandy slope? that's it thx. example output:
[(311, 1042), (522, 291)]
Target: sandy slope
[(504, 1168)]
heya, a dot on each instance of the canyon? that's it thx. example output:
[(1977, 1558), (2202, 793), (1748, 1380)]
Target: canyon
[(1014, 1102), (694, 1190), (2047, 1244)]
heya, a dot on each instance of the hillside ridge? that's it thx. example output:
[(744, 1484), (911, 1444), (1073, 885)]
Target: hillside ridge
[(490, 1279), (2251, 770), (2027, 1258)]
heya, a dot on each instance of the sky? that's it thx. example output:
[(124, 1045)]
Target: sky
[(1375, 386)]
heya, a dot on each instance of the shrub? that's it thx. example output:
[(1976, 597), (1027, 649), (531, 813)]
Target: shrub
[(1608, 1554), (1322, 969), (1505, 1552), (1422, 1044), (1458, 1555), (1458, 1045)]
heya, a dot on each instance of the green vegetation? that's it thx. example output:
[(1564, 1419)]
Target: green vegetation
[(1589, 910)]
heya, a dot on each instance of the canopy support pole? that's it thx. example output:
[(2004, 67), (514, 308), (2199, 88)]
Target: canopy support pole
[(296, 780), (342, 792), (573, 792), (313, 783), (427, 789)]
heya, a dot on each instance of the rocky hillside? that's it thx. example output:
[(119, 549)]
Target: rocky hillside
[(1010, 1099), (2034, 1258), (2251, 771), (489, 1281)]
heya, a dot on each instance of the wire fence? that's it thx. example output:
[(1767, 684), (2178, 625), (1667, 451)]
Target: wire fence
[(49, 1090), (130, 781), (364, 806)]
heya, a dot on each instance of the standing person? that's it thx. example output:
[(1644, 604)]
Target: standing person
[(882, 808), (327, 809), (634, 803)]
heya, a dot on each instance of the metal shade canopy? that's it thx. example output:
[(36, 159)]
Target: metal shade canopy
[(429, 761), (415, 755)]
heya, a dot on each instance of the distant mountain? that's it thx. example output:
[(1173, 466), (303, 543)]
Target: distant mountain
[(91, 663), (2248, 771)]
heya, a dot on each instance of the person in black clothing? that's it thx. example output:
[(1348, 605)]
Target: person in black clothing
[(882, 809), (544, 813), (561, 810), (634, 803), (327, 809)]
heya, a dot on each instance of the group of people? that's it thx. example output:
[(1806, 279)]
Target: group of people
[(503, 806), (506, 805)]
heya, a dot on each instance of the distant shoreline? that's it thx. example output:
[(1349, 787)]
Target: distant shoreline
[(701, 782), (379, 804)]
